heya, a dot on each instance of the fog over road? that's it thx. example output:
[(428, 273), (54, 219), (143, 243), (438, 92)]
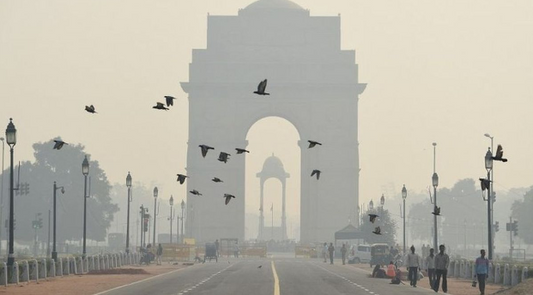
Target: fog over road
[(243, 276)]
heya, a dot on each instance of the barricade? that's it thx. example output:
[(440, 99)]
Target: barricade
[(86, 265), (72, 265), (451, 268), (468, 270), (66, 266), (514, 276), (524, 274), (43, 269), (59, 267), (497, 274), (52, 268), (473, 272), (506, 275), (177, 252), (490, 278), (254, 251), (456, 270), (79, 266), (303, 251), (462, 269), (34, 270), (14, 277), (3, 274), (25, 276)]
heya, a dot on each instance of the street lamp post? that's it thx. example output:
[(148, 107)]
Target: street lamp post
[(182, 214), (488, 166), (491, 188), (156, 192), (11, 138), (404, 196), (171, 202), (54, 251), (128, 184), (85, 172), (435, 182), (2, 192)]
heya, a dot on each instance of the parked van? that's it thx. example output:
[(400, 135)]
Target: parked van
[(359, 254)]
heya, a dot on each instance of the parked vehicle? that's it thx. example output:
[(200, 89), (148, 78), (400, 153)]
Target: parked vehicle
[(359, 253), (380, 254)]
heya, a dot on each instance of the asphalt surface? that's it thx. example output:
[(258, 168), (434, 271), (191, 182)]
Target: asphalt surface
[(276, 276)]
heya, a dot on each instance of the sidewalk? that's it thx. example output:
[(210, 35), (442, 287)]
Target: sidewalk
[(455, 286), (88, 283)]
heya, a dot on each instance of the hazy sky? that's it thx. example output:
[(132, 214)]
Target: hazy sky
[(437, 71)]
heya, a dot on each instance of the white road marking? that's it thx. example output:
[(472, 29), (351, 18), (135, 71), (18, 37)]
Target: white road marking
[(346, 279), (204, 280)]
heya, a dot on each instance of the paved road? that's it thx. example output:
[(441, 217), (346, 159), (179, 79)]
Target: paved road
[(277, 276)]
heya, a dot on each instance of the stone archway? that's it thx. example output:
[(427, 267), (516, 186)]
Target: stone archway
[(313, 84)]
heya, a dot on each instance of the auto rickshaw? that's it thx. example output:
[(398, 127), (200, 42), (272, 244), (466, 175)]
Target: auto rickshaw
[(380, 254), (211, 252)]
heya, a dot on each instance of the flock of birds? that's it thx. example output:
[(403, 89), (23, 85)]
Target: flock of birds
[(222, 157), (485, 185)]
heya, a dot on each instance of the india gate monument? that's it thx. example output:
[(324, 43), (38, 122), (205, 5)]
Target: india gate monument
[(313, 84)]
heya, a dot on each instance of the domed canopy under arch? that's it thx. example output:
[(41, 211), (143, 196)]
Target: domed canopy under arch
[(273, 4)]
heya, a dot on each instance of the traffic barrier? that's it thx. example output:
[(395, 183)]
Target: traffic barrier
[(86, 265), (451, 268), (59, 267), (497, 274), (506, 275), (43, 269), (72, 265), (52, 268), (524, 274), (490, 278), (303, 251), (25, 275), (66, 266), (468, 270), (34, 270), (514, 276), (254, 251), (473, 272), (456, 270), (14, 277), (3, 274), (177, 252), (462, 269), (97, 263), (79, 267)]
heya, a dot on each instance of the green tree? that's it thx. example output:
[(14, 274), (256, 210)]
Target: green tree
[(386, 224), (63, 166), (521, 211)]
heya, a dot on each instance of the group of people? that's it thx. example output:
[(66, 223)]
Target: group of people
[(437, 265), (148, 254), (329, 252)]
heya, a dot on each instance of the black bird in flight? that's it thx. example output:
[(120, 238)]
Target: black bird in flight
[(216, 179), (195, 192), (373, 217), (261, 88), (170, 100), (58, 144), (181, 178), (377, 231), (259, 266), (317, 172), (436, 211), (312, 143), (228, 198), (240, 151), (223, 157), (499, 154), (160, 106), (485, 184), (90, 109), (205, 149)]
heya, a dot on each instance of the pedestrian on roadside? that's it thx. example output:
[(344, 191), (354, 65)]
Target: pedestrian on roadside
[(325, 252), (159, 254), (430, 266), (343, 253), (236, 250), (442, 261), (331, 251), (482, 269), (413, 266)]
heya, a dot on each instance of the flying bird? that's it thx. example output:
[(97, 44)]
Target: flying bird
[(373, 217), (499, 154), (90, 109), (223, 157), (312, 143), (195, 192), (58, 144), (228, 198), (216, 179), (160, 106), (181, 178), (261, 88), (485, 184), (170, 100), (377, 231), (259, 266), (317, 172), (240, 151), (205, 149), (436, 211)]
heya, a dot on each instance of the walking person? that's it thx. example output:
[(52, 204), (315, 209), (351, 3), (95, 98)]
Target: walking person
[(331, 251), (236, 250), (442, 261), (413, 266), (343, 253), (159, 253), (482, 270), (430, 266)]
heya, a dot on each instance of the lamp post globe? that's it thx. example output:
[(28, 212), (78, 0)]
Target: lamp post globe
[(382, 200), (435, 179), (128, 184), (404, 192), (11, 139), (488, 161)]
